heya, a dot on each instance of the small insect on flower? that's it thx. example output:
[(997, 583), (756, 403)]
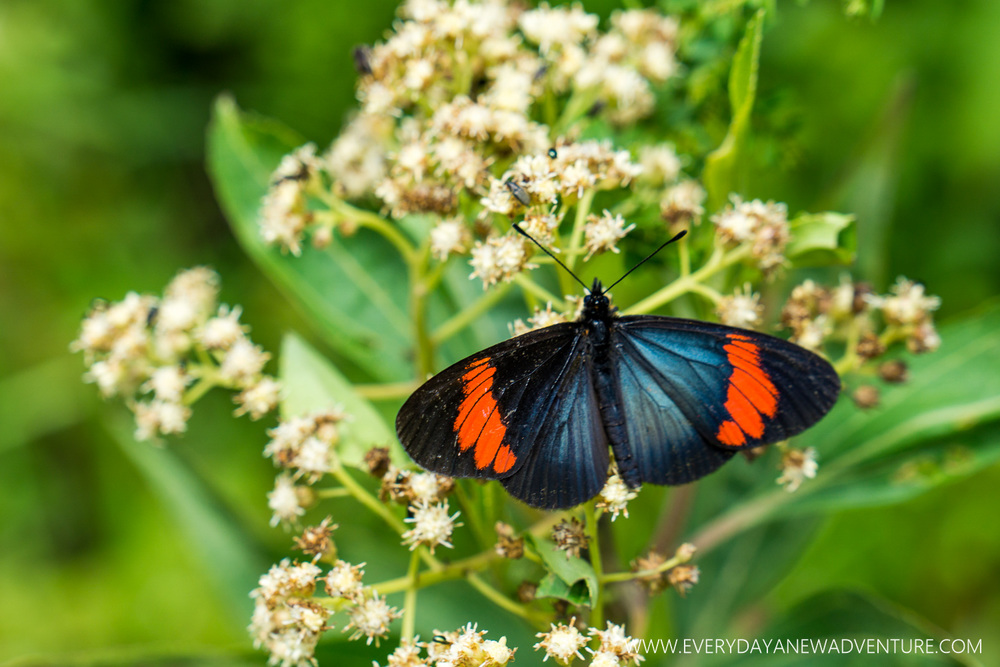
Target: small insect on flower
[(552, 153), (361, 55), (517, 192)]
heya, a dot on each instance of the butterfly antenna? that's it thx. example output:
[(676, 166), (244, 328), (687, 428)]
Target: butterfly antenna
[(648, 257), (549, 253)]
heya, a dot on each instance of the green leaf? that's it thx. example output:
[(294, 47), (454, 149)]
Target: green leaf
[(572, 571), (355, 297), (722, 165), (212, 530), (59, 400), (310, 383), (552, 586), (816, 239)]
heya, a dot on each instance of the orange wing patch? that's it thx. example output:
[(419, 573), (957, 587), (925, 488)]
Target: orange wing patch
[(478, 423), (750, 395)]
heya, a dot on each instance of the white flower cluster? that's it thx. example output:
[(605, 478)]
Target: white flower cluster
[(286, 621), (466, 647), (450, 94), (288, 618), (814, 313), (284, 213), (616, 495), (563, 643), (151, 350), (425, 495), (304, 447), (763, 226), (741, 309), (305, 444), (539, 320)]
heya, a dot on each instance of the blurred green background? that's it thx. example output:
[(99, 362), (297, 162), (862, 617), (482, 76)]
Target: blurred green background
[(103, 189)]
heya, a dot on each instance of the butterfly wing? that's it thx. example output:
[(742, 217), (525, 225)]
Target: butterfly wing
[(694, 393), (523, 411)]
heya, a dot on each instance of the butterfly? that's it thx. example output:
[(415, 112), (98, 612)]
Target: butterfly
[(672, 399)]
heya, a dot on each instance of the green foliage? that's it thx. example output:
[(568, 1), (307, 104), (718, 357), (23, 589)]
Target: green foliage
[(354, 299), (103, 191), (569, 578), (816, 239), (312, 383), (723, 166)]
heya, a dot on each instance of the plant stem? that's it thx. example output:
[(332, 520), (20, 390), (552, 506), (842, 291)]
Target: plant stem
[(502, 601), (468, 315), (202, 387), (410, 601), (711, 294), (737, 520), (378, 224), (336, 492), (684, 253), (717, 262), (386, 391), (594, 549), (472, 516), (576, 236), (367, 499), (529, 285), (457, 570), (418, 309), (617, 577)]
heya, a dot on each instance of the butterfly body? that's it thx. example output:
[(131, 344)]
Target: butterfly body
[(672, 399)]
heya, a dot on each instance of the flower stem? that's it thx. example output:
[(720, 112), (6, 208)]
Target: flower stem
[(367, 499), (336, 492), (576, 236), (457, 570), (594, 549), (371, 502), (202, 387), (684, 253), (529, 285), (472, 515), (410, 601), (418, 309), (386, 391), (617, 577), (468, 315), (378, 224), (717, 262), (502, 601)]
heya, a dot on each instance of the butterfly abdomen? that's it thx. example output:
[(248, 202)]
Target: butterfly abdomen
[(610, 401)]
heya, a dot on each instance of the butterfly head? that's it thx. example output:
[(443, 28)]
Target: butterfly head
[(596, 303)]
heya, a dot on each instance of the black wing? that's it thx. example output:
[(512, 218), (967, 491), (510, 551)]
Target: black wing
[(693, 393), (523, 411)]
